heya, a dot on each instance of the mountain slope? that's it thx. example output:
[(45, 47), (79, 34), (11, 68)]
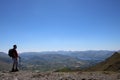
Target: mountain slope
[(5, 62), (4, 57), (110, 64)]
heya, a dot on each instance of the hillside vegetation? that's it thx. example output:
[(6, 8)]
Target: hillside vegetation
[(110, 64)]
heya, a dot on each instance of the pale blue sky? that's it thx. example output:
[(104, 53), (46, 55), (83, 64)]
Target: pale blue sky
[(48, 25)]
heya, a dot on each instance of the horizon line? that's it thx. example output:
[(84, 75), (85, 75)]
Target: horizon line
[(60, 51)]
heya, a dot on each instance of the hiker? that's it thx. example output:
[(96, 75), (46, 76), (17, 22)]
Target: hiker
[(14, 55)]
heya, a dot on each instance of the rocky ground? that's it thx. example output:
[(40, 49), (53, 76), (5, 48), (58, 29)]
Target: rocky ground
[(28, 75)]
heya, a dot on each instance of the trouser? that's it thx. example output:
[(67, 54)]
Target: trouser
[(15, 63)]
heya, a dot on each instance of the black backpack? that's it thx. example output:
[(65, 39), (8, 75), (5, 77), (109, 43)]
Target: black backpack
[(10, 53)]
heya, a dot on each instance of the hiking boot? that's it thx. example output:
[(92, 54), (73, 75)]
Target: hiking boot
[(12, 70), (16, 70)]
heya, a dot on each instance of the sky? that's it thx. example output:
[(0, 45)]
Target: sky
[(52, 25)]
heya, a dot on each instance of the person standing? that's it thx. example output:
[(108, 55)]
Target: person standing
[(14, 55)]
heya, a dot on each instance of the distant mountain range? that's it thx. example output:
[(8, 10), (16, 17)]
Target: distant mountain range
[(83, 55), (53, 60)]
